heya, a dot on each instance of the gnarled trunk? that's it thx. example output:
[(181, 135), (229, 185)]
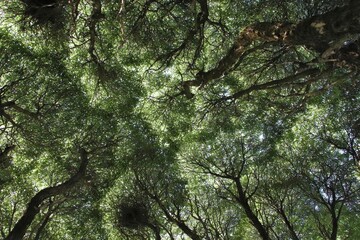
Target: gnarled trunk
[(33, 208), (324, 33)]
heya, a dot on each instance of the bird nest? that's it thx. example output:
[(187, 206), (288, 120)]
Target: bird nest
[(132, 214), (44, 12)]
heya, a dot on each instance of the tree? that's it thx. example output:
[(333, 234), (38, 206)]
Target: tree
[(192, 119)]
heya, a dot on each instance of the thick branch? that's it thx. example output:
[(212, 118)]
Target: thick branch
[(334, 223), (180, 223), (156, 230), (4, 154), (43, 224), (315, 33), (33, 208), (197, 30), (243, 201), (274, 84), (96, 16), (174, 219), (287, 222), (15, 107)]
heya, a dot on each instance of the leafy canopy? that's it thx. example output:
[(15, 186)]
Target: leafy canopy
[(179, 119)]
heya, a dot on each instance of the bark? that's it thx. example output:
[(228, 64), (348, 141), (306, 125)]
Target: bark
[(96, 16), (334, 228), (186, 229), (197, 31), (324, 33), (174, 219), (42, 226), (4, 154), (334, 218), (243, 201), (156, 230), (14, 106), (33, 207), (290, 227), (274, 84)]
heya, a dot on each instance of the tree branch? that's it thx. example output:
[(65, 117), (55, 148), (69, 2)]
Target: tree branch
[(274, 84), (242, 199), (315, 33), (33, 208)]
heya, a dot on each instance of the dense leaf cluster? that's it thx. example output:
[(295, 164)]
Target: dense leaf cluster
[(179, 119)]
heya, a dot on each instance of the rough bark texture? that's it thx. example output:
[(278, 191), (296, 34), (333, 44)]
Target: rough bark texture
[(324, 33), (33, 208)]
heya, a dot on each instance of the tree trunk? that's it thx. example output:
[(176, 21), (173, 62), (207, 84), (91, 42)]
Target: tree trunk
[(33, 208), (324, 33), (243, 201)]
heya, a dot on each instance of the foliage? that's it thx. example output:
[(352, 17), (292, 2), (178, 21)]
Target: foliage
[(179, 119)]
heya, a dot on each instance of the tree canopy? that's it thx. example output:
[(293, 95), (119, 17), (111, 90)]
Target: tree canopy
[(179, 119)]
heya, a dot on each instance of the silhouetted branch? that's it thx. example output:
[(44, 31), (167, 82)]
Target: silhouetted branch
[(33, 208)]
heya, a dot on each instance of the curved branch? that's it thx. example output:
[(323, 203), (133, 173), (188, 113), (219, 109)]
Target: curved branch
[(316, 33), (96, 16), (33, 208), (274, 84), (176, 219), (197, 30), (243, 200)]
